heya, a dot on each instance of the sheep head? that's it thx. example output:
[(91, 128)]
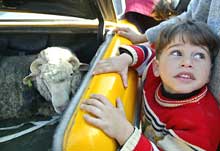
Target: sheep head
[(57, 75)]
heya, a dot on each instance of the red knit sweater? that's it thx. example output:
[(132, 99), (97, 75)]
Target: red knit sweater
[(194, 122)]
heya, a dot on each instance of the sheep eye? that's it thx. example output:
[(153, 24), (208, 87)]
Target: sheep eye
[(71, 74), (61, 80)]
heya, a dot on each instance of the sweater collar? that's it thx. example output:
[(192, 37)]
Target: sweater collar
[(173, 100), (178, 96)]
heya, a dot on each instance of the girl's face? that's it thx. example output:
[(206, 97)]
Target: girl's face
[(183, 67)]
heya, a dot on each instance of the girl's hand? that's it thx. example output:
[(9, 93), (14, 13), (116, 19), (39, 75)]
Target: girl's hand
[(108, 118), (118, 64), (131, 35)]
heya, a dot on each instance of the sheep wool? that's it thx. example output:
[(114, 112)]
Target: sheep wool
[(57, 75)]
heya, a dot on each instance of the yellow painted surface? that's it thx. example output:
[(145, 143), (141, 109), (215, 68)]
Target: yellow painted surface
[(80, 136)]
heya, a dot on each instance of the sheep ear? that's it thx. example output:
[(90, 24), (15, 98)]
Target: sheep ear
[(73, 60), (34, 70), (35, 65), (83, 67), (27, 80)]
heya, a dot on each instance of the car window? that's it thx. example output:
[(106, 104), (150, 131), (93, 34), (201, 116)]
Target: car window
[(32, 16), (76, 8), (119, 7)]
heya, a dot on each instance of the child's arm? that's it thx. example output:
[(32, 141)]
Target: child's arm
[(118, 64), (136, 56), (113, 122), (108, 118), (134, 37), (141, 54)]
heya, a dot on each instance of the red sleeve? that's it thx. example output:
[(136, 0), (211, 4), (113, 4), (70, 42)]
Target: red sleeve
[(143, 144), (141, 54), (137, 142)]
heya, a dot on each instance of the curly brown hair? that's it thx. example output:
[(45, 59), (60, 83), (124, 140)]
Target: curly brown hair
[(194, 32)]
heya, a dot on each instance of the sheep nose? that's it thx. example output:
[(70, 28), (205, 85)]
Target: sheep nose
[(60, 109)]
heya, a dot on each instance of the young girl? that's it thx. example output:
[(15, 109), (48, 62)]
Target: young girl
[(180, 113), (148, 13)]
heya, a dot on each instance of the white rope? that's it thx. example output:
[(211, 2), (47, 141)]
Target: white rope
[(37, 125), (12, 127)]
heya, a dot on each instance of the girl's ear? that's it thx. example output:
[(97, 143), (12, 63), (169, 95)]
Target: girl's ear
[(156, 70)]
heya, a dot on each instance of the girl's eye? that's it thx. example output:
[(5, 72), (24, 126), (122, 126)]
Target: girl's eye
[(176, 53), (199, 56)]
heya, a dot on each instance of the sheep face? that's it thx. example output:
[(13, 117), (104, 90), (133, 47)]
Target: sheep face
[(55, 83), (57, 76), (55, 55)]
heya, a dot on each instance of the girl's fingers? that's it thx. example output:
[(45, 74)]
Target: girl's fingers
[(105, 62), (123, 34), (91, 109), (103, 67), (93, 102), (125, 29), (92, 120), (124, 77), (120, 105), (101, 98)]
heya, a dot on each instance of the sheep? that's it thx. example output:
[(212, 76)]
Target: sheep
[(57, 75)]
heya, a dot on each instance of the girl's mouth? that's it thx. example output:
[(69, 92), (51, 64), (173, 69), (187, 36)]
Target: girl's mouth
[(185, 76)]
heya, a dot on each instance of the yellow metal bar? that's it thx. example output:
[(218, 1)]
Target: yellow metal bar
[(80, 136)]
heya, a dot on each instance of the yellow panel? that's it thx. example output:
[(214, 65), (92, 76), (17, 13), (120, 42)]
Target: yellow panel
[(80, 136)]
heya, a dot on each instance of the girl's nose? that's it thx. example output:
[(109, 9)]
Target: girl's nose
[(186, 62)]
